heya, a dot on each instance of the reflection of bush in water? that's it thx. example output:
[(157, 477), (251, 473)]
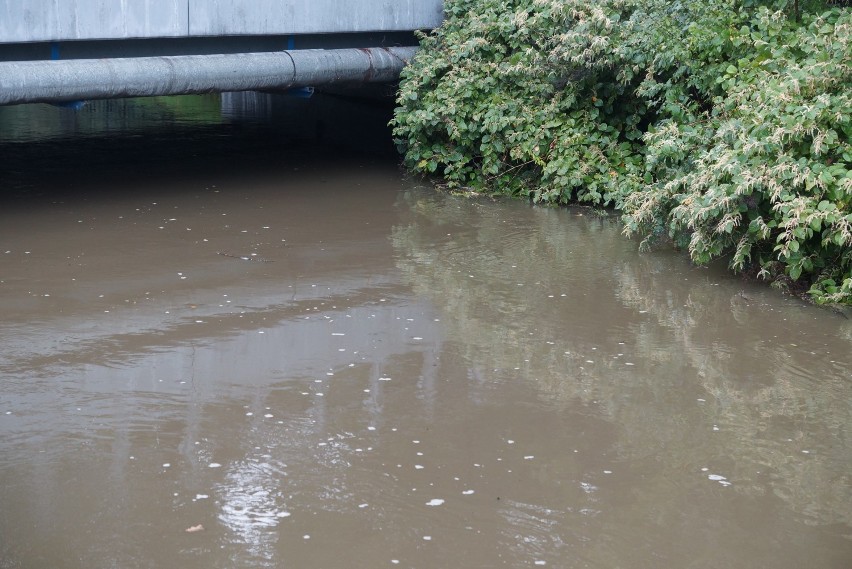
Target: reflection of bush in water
[(774, 395), (693, 341)]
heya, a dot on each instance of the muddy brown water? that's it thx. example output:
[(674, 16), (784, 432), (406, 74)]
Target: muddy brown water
[(396, 378)]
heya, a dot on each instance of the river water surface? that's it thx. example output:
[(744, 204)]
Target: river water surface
[(238, 317)]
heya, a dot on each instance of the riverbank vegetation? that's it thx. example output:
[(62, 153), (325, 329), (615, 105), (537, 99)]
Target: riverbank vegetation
[(722, 126)]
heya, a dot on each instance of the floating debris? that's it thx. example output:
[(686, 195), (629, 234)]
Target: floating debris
[(252, 257)]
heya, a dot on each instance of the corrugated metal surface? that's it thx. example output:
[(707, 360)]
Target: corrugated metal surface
[(62, 20)]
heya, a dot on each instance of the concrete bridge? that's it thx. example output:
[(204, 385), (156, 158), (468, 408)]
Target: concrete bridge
[(62, 50)]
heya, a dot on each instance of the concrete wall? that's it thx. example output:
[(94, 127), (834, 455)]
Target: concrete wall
[(65, 20), (54, 20)]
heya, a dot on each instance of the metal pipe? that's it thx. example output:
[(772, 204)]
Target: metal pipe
[(76, 79)]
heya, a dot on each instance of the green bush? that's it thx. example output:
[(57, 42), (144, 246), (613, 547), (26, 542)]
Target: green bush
[(497, 101), (721, 124)]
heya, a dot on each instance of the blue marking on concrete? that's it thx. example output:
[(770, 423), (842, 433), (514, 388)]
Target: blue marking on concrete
[(54, 50), (291, 42)]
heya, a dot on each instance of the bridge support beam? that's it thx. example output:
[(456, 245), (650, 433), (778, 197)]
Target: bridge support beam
[(81, 79)]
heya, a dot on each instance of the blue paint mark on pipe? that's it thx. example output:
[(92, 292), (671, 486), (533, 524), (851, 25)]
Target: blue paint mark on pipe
[(73, 105), (300, 92)]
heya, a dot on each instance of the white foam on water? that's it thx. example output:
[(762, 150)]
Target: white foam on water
[(435, 502), (467, 492), (214, 465)]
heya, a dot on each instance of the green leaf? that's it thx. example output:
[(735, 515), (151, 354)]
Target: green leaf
[(795, 272)]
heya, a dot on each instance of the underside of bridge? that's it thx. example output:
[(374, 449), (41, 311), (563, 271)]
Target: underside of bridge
[(96, 49)]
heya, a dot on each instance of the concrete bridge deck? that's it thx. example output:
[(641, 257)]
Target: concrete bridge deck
[(62, 50), (26, 21)]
